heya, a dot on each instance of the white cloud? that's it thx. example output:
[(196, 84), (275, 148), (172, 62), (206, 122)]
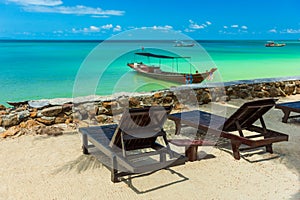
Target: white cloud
[(234, 26), (292, 31), (100, 16), (37, 2), (107, 26), (272, 30), (77, 10), (225, 27), (166, 27), (188, 30), (194, 25), (244, 27), (117, 28), (94, 29)]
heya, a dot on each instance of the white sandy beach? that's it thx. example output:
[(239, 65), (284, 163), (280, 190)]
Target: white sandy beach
[(43, 167)]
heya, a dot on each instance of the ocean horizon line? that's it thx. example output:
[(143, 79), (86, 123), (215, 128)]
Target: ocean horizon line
[(101, 40)]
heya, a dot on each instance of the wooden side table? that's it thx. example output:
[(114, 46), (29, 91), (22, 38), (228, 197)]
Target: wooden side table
[(191, 146)]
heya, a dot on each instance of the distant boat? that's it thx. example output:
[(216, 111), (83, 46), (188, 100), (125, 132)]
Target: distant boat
[(182, 44), (156, 73), (274, 44)]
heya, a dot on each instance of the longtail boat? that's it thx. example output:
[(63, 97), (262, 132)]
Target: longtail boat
[(274, 44), (157, 73)]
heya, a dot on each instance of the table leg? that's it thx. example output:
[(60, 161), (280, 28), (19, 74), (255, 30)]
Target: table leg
[(191, 152)]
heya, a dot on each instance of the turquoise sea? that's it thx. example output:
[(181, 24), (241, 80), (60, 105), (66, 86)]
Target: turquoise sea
[(31, 70)]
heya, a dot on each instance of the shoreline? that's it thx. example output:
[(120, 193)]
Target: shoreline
[(194, 86), (91, 110)]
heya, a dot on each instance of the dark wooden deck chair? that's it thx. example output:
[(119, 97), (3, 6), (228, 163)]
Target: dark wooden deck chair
[(243, 119), (287, 108), (133, 145)]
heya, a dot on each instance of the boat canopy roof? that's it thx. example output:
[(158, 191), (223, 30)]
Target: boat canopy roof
[(158, 56)]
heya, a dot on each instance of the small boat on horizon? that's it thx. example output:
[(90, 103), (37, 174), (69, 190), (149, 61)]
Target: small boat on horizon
[(176, 77), (274, 44), (182, 44)]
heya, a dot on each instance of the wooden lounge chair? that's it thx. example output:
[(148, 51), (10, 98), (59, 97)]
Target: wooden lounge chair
[(242, 119), (132, 146), (287, 108)]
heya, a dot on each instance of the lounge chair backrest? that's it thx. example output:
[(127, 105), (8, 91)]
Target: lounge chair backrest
[(248, 113), (141, 126)]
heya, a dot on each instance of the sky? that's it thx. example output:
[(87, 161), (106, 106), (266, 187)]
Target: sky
[(102, 19)]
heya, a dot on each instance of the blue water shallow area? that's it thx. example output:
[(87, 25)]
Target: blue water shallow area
[(49, 69)]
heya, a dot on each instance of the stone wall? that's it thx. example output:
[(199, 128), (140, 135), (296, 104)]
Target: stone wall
[(41, 116)]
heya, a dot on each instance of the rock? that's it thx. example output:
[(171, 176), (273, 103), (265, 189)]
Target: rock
[(33, 114), (123, 101), (274, 92), (10, 132), (258, 87), (281, 92), (178, 106), (67, 107), (167, 100), (102, 110), (23, 115), (68, 121), (17, 104), (51, 111), (59, 120), (30, 124), (244, 94), (204, 98), (21, 108), (38, 104), (50, 130), (259, 94), (298, 90), (101, 118), (158, 95), (229, 91), (134, 102), (2, 129), (46, 120), (2, 107), (109, 104), (118, 110), (3, 112), (10, 120), (147, 101), (289, 89)]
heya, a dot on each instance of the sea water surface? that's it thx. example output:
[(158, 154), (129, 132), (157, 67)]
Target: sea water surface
[(31, 70)]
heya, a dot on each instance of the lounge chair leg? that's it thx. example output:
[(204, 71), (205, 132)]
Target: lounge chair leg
[(235, 145), (269, 148), (286, 115), (177, 127), (84, 144), (114, 171)]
